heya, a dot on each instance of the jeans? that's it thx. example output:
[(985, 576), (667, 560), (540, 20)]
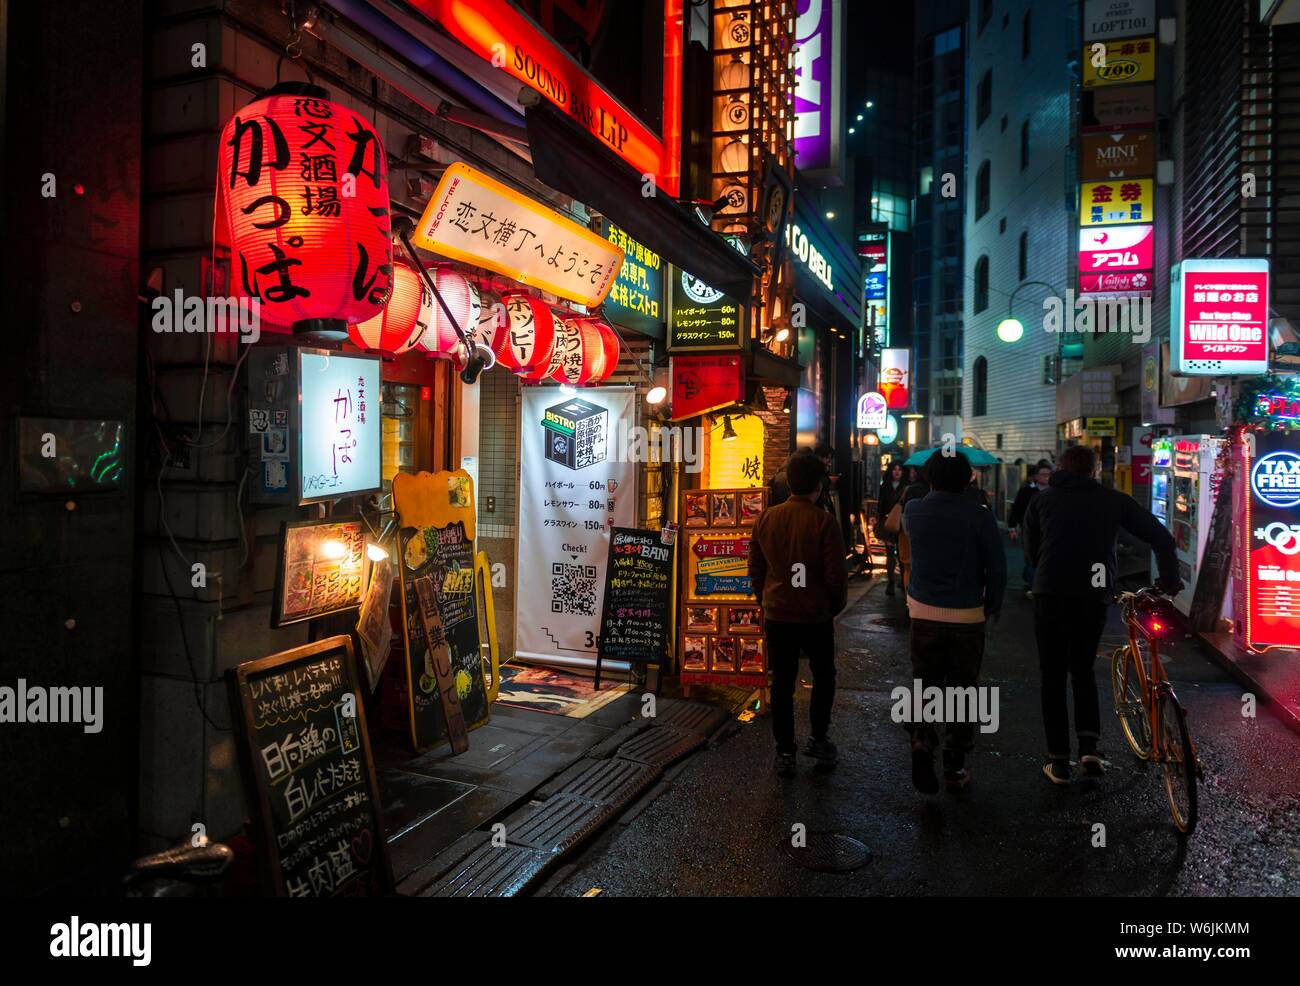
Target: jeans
[(946, 655), (784, 642), (1069, 631)]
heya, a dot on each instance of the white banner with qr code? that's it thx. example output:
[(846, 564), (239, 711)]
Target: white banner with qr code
[(574, 484)]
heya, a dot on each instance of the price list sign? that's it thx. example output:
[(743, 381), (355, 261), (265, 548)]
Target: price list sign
[(301, 733), (638, 579)]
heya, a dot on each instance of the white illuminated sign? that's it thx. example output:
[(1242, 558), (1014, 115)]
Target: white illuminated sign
[(808, 255), (873, 410), (339, 432)]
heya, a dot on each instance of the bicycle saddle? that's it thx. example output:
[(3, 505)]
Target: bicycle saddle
[(185, 861)]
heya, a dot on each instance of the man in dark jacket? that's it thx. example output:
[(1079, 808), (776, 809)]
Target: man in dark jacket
[(796, 568), (1070, 531), (958, 574), (1042, 475)]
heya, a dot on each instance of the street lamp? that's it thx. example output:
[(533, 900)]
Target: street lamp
[(1011, 329)]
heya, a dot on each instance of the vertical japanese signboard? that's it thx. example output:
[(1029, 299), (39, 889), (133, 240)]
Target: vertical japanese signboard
[(300, 729), (339, 433), (637, 297), (721, 622), (445, 684), (1266, 549), (575, 484)]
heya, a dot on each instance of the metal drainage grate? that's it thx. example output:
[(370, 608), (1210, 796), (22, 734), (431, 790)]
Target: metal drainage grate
[(660, 747), (828, 852), (492, 871)]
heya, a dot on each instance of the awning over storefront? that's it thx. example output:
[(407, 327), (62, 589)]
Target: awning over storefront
[(570, 161), (827, 274)]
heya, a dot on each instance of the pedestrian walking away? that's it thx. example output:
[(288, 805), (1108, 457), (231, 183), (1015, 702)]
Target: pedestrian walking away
[(1070, 531), (796, 568), (892, 488), (958, 575), (1024, 497)]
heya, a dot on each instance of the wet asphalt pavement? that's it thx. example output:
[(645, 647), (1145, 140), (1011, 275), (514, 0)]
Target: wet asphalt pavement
[(718, 826)]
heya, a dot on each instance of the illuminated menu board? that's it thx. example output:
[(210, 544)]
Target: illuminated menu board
[(338, 396)]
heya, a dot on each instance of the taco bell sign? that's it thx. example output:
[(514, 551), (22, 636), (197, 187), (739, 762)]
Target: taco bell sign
[(818, 34)]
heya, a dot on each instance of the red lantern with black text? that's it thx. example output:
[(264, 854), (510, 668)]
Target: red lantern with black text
[(404, 320), (525, 340), (576, 341), (302, 187), (462, 299)]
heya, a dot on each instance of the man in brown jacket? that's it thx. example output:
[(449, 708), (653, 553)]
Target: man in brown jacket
[(796, 568)]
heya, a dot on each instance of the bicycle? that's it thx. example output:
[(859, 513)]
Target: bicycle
[(1149, 713), (193, 868)]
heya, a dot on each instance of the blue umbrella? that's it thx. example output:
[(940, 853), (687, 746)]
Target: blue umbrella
[(977, 456)]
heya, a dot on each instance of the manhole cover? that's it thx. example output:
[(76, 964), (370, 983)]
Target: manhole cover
[(828, 852)]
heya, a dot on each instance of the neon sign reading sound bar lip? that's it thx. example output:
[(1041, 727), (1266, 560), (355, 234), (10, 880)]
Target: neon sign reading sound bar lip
[(812, 258)]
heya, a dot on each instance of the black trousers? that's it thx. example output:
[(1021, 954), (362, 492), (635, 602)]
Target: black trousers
[(946, 655), (784, 642), (1069, 631)]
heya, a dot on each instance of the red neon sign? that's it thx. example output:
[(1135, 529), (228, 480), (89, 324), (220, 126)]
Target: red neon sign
[(500, 33)]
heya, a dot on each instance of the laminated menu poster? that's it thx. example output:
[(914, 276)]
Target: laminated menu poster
[(638, 580), (721, 621), (305, 754), (444, 665), (321, 569)]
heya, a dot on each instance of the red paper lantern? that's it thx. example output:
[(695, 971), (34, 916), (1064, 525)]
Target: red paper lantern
[(525, 340), (462, 298), (303, 188), (609, 351), (404, 320), (577, 341)]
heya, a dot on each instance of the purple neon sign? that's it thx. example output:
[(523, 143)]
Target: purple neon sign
[(816, 95)]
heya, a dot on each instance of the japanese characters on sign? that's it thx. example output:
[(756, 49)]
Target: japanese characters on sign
[(303, 188), (305, 755), (638, 587), (340, 424), (701, 317), (1107, 109), (322, 569), (1219, 313), (1125, 62), (703, 383), (637, 297), (1127, 200), (478, 220), (1266, 549)]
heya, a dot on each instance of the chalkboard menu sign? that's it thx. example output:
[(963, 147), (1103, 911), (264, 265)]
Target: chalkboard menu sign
[(638, 579), (305, 754), (436, 543)]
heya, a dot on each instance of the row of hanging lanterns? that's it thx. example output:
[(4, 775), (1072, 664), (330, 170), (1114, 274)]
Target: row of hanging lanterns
[(303, 191), (524, 334)]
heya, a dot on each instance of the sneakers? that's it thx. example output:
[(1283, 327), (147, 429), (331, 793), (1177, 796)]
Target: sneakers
[(821, 750), (923, 776), (1092, 764), (785, 765), (956, 780), (1057, 771)]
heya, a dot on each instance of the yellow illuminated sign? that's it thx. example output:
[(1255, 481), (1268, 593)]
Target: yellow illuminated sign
[(1119, 200), (1123, 62), (737, 463), (478, 220)]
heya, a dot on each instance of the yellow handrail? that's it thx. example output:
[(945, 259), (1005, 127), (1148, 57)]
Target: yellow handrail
[(483, 573)]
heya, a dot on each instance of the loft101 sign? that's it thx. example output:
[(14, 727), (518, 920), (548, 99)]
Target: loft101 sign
[(1219, 317)]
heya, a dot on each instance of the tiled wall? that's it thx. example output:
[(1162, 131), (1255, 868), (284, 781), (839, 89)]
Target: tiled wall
[(498, 451)]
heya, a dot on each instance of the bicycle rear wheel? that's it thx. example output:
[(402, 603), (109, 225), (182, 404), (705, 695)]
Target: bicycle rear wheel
[(1130, 707), (1178, 761)]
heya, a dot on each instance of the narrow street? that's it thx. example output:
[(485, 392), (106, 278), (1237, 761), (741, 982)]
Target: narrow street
[(717, 829)]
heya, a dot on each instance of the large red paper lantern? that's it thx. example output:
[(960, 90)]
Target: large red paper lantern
[(462, 299), (303, 189), (404, 320), (525, 341)]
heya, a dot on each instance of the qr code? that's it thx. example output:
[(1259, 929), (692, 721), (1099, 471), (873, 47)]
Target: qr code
[(573, 589)]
